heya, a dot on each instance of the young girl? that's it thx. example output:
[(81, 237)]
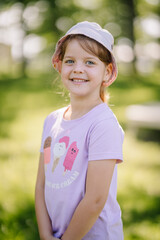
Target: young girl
[(81, 144)]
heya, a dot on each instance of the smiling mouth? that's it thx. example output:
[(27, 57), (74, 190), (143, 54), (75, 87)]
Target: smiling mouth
[(78, 80)]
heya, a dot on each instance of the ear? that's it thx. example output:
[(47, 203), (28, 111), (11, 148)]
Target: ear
[(107, 75), (57, 65)]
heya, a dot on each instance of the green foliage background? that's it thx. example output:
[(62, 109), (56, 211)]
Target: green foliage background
[(26, 97)]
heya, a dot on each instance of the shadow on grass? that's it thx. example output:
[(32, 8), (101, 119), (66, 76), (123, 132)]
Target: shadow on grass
[(19, 225), (22, 224), (21, 93), (145, 208), (26, 84), (145, 134), (125, 83)]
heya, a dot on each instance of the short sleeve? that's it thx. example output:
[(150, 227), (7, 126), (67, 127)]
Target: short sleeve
[(106, 140), (43, 134)]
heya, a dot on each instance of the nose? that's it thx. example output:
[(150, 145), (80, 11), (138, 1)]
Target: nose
[(78, 68)]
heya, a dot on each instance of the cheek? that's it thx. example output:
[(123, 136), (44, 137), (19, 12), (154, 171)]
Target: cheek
[(96, 75), (65, 75), (65, 71)]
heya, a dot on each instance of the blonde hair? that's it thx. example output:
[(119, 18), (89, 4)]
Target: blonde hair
[(93, 47)]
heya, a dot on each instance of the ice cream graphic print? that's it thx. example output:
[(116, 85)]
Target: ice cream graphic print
[(70, 157), (47, 151), (59, 150)]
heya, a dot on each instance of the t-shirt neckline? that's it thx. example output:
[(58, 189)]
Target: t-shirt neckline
[(83, 116)]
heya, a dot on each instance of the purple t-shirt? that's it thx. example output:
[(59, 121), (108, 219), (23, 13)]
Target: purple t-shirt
[(67, 148)]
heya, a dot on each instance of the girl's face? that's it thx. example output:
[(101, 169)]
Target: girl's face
[(81, 72)]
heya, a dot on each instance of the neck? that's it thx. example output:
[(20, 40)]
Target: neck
[(79, 107)]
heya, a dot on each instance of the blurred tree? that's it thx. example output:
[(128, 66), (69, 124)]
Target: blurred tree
[(56, 16)]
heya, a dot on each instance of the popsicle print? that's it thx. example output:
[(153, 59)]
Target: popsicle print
[(47, 151), (70, 157), (59, 150)]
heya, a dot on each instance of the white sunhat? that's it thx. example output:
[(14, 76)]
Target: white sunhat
[(93, 31)]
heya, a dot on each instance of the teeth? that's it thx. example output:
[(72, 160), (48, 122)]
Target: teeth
[(79, 80)]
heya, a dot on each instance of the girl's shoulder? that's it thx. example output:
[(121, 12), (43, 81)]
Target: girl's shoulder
[(53, 116), (106, 120), (106, 115), (56, 113)]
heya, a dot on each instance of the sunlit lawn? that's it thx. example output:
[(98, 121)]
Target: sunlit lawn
[(24, 105)]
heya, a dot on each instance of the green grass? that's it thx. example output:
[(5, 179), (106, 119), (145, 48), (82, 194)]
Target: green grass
[(138, 191), (24, 105)]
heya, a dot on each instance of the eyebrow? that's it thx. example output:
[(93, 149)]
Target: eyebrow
[(68, 57), (85, 57)]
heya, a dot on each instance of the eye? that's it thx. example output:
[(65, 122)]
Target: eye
[(69, 61), (90, 63)]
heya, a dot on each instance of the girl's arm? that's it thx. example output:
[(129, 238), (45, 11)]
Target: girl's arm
[(43, 220), (98, 181)]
